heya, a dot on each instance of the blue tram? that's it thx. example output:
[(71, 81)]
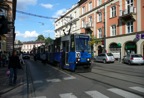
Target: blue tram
[(70, 51)]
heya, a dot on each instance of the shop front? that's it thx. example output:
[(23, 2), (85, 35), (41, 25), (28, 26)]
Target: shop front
[(130, 48)]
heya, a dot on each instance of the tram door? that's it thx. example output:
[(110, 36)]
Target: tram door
[(66, 50)]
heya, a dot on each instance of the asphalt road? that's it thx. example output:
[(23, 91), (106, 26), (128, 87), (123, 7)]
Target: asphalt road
[(104, 81)]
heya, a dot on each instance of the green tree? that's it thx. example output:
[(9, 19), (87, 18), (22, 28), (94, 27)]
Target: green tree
[(40, 38), (48, 40), (94, 41), (19, 42)]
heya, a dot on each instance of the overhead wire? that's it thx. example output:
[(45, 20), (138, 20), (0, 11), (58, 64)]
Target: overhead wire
[(40, 16)]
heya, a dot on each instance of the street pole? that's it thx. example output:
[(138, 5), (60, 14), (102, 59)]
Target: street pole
[(104, 32)]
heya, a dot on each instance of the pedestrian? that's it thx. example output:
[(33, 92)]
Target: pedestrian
[(14, 64), (21, 58)]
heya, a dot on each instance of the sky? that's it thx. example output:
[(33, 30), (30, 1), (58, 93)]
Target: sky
[(28, 27)]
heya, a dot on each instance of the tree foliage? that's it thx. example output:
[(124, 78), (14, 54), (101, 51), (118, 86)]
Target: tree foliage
[(19, 42), (94, 40), (40, 38), (48, 40)]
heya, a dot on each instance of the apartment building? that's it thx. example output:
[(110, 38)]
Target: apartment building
[(117, 22), (28, 46), (68, 22)]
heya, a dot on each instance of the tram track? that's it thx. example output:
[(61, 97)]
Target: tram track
[(110, 84), (127, 80), (122, 72), (118, 69), (115, 80), (113, 83)]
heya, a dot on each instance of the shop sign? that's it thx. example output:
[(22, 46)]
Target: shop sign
[(140, 36)]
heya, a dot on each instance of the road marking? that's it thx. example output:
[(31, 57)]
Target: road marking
[(53, 80), (69, 78), (38, 81), (67, 95), (40, 97), (96, 94), (140, 89), (123, 93)]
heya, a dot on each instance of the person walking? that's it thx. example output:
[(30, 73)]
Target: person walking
[(14, 64), (21, 58)]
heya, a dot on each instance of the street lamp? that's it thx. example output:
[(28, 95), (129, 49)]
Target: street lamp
[(104, 37)]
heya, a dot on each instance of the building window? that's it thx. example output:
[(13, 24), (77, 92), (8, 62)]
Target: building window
[(74, 26), (75, 14), (113, 11), (83, 9), (90, 6), (113, 30), (99, 2), (99, 33), (129, 27), (90, 21), (129, 4), (83, 23), (99, 17)]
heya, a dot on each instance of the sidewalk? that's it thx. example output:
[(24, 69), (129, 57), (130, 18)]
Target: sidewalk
[(4, 80)]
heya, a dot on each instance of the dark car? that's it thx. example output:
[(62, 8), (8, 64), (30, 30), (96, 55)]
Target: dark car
[(26, 56)]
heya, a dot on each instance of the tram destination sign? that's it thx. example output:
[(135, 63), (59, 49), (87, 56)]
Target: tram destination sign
[(82, 36)]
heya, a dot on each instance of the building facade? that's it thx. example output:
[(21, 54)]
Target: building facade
[(28, 46), (7, 28), (68, 22), (117, 22)]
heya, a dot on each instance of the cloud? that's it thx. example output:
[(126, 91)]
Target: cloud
[(49, 6), (49, 31), (27, 34), (22, 4), (60, 12)]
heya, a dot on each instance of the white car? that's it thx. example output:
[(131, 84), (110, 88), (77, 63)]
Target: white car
[(133, 59), (105, 58)]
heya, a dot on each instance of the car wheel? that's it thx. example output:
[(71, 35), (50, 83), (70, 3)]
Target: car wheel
[(104, 61), (123, 61), (129, 62)]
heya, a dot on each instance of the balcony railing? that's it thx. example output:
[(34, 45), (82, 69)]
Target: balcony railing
[(130, 10)]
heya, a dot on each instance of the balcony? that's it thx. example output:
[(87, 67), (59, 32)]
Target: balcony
[(128, 14), (86, 27)]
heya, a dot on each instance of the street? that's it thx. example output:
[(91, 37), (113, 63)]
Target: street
[(104, 81)]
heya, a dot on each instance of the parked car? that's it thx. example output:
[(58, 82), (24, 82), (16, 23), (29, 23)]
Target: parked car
[(26, 56), (133, 59), (105, 58)]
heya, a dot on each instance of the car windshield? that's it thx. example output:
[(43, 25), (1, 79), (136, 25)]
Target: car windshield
[(109, 54), (136, 56)]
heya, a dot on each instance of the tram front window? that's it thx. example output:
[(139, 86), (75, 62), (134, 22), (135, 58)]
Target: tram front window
[(82, 44)]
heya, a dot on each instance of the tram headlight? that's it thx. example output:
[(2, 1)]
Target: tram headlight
[(78, 59), (88, 59)]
